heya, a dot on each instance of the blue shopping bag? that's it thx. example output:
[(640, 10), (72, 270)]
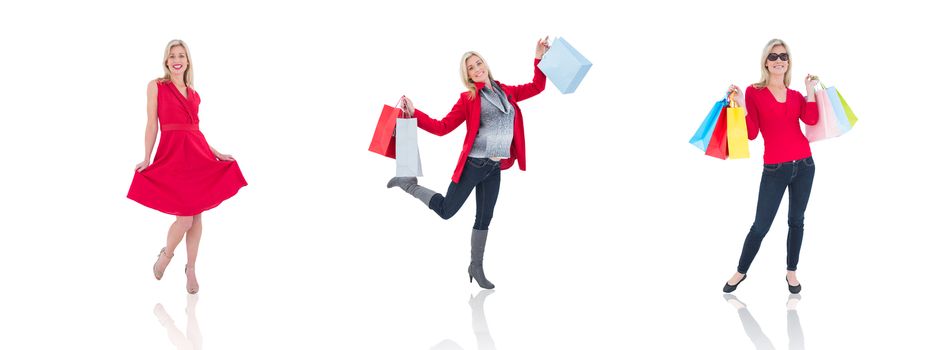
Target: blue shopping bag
[(704, 133), (838, 109), (564, 66)]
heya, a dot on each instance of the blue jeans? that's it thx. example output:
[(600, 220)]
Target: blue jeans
[(480, 174), (795, 176)]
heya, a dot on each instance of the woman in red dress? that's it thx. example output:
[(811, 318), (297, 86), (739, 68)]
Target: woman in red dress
[(188, 176)]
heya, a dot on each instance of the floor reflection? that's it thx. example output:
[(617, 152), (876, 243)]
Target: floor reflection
[(757, 336), (479, 325), (192, 339)]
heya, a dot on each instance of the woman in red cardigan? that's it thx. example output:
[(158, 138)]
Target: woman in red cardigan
[(775, 110), (495, 139)]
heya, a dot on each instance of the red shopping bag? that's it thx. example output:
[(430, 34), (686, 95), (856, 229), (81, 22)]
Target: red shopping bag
[(718, 144), (383, 140)]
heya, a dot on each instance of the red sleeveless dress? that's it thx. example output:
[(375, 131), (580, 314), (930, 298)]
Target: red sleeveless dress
[(185, 179)]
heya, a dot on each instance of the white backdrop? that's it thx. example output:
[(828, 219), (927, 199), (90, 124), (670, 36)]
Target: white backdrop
[(619, 235)]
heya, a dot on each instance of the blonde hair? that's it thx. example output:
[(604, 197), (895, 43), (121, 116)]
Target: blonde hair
[(765, 75), (469, 84), (189, 72)]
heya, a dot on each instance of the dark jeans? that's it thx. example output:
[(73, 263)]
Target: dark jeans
[(480, 174), (795, 176)]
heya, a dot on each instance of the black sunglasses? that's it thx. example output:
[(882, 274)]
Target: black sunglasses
[(776, 56)]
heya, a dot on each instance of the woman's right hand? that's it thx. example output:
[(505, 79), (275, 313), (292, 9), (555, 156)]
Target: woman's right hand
[(141, 166), (739, 96), (408, 107)]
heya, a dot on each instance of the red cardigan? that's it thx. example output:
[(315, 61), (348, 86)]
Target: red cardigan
[(778, 122), (468, 110)]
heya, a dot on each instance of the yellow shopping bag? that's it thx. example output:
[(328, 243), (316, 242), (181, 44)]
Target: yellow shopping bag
[(737, 130), (852, 118)]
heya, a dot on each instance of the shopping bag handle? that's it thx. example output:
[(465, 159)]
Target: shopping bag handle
[(731, 99), (402, 115), (814, 77), (401, 106)]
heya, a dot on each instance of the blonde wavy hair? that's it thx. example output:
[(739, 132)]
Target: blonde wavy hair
[(469, 84), (765, 75), (189, 72)]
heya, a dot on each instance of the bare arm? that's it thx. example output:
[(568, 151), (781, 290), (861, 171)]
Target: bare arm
[(151, 126)]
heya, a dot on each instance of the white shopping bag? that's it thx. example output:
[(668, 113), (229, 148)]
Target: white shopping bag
[(408, 162)]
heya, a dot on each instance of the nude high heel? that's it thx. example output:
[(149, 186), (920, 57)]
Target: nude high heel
[(159, 274), (192, 289)]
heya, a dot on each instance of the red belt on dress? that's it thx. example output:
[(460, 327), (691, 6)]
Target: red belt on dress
[(179, 127)]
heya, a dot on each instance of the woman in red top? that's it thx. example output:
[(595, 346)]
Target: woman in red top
[(188, 176), (776, 111), (495, 139)]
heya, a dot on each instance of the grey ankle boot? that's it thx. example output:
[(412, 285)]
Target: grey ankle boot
[(475, 269), (410, 186)]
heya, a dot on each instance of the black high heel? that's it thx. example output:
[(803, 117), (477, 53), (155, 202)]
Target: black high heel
[(793, 289), (730, 288)]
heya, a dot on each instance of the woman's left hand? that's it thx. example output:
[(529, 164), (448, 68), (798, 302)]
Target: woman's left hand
[(224, 157), (811, 81), (542, 46)]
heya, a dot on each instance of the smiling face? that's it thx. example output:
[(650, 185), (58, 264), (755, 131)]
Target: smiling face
[(781, 62), (177, 61), (476, 69)]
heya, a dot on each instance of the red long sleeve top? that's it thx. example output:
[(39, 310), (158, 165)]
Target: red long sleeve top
[(778, 122), (468, 110)]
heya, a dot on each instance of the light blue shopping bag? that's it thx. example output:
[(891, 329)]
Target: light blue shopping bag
[(704, 133), (564, 66), (838, 109)]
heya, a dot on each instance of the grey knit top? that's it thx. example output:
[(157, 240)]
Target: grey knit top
[(497, 125)]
